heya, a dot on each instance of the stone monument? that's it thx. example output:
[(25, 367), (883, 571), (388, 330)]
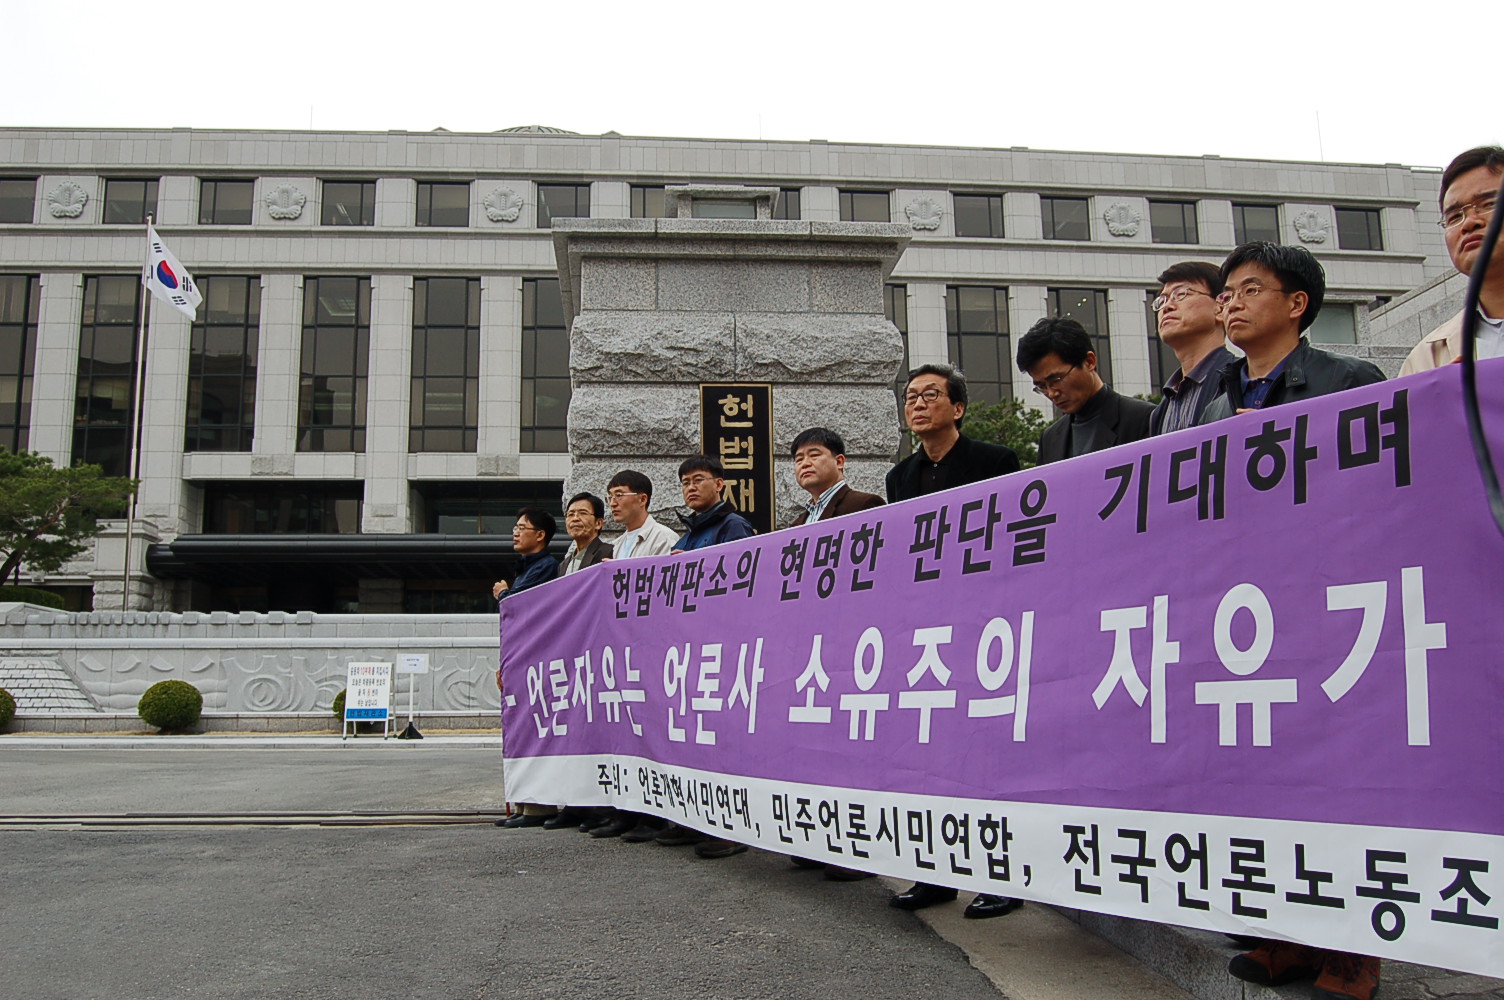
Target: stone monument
[(724, 293)]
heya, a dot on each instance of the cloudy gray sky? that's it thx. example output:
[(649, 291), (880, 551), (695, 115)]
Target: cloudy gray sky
[(1306, 81)]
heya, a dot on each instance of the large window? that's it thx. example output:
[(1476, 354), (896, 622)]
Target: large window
[(865, 206), (352, 203), (226, 203), (290, 509), (18, 198), (1066, 218), (562, 201), (1173, 222), (332, 387), (446, 364), (443, 204), (102, 410), (545, 367), (222, 365), (20, 302), (1087, 306), (787, 206), (649, 201), (979, 214), (1252, 223), (127, 202), (481, 508), (976, 328), (1337, 323), (1358, 229)]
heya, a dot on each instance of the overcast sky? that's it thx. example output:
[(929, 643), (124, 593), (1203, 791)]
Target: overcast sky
[(1302, 81)]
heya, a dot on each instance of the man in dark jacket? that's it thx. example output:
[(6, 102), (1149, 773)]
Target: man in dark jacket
[(1272, 296), (584, 516), (711, 520), (1056, 353), (934, 404), (820, 467), (531, 534), (1189, 322)]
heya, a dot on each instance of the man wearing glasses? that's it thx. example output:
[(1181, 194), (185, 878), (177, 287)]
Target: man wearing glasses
[(1056, 353), (711, 520), (531, 534), (1190, 324), (1271, 297), (934, 404), (1469, 186)]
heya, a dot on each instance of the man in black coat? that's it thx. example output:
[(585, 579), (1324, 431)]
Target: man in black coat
[(1056, 353), (934, 404)]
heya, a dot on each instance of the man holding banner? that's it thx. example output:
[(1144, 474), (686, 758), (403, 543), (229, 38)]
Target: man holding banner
[(1272, 296)]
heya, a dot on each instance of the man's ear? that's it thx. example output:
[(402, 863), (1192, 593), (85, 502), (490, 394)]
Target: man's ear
[(1299, 301)]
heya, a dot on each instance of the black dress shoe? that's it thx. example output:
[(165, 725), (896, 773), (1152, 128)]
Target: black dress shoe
[(806, 863), (563, 818), (715, 847), (594, 822), (922, 894), (990, 906), (836, 873), (643, 832), (618, 826), (675, 835), (523, 820)]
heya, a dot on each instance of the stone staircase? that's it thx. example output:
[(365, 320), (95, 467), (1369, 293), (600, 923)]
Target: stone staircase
[(41, 685)]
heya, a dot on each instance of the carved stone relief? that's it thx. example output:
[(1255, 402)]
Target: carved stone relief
[(67, 200), (1310, 226), (503, 205), (285, 201), (924, 213), (1122, 219)]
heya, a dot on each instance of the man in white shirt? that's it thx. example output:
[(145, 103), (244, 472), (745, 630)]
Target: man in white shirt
[(1469, 186)]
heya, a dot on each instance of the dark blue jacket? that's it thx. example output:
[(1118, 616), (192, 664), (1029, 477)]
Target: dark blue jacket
[(720, 523), (540, 567)]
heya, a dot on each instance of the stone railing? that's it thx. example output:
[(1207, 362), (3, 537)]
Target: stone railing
[(251, 663)]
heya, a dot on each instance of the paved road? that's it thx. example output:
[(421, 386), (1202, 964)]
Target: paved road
[(444, 912)]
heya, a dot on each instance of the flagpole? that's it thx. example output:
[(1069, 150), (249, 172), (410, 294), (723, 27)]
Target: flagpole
[(138, 406)]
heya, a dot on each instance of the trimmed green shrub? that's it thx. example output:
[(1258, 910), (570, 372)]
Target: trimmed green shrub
[(7, 708), (339, 705), (31, 595), (171, 705)]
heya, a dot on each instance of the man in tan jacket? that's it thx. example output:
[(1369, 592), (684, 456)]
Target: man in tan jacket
[(1469, 186)]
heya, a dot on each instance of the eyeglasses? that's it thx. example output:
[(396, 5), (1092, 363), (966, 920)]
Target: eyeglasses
[(618, 495), (1050, 383), (1457, 214), (1177, 296), (1247, 292), (519, 526), (928, 395), (690, 482)]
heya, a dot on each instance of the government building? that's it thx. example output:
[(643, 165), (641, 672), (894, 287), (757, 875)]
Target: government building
[(378, 377)]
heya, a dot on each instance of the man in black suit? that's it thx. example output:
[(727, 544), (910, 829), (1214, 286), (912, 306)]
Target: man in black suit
[(584, 517), (934, 404), (820, 467), (1056, 353)]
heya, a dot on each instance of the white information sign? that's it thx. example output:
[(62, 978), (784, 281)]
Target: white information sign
[(368, 693), (412, 663)]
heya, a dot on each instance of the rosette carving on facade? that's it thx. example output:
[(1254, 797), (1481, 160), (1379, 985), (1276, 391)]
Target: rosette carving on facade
[(285, 201), (503, 205), (924, 213), (1310, 226), (1122, 219), (67, 200)]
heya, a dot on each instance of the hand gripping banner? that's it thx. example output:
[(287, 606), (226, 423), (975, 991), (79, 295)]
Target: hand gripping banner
[(1245, 677)]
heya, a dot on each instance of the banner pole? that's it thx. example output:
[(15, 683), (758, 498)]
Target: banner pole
[(137, 409)]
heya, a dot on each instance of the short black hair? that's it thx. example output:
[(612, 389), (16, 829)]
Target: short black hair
[(1295, 267), (822, 436), (955, 381), (1491, 157), (1198, 271), (1053, 335), (540, 518), (701, 463), (632, 480), (596, 504)]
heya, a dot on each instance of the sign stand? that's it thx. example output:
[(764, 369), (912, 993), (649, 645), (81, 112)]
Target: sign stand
[(411, 664), (368, 697)]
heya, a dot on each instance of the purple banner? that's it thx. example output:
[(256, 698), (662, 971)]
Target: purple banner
[(1289, 616)]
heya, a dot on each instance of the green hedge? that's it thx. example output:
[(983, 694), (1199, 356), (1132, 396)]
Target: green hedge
[(31, 595), (7, 708), (171, 705)]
